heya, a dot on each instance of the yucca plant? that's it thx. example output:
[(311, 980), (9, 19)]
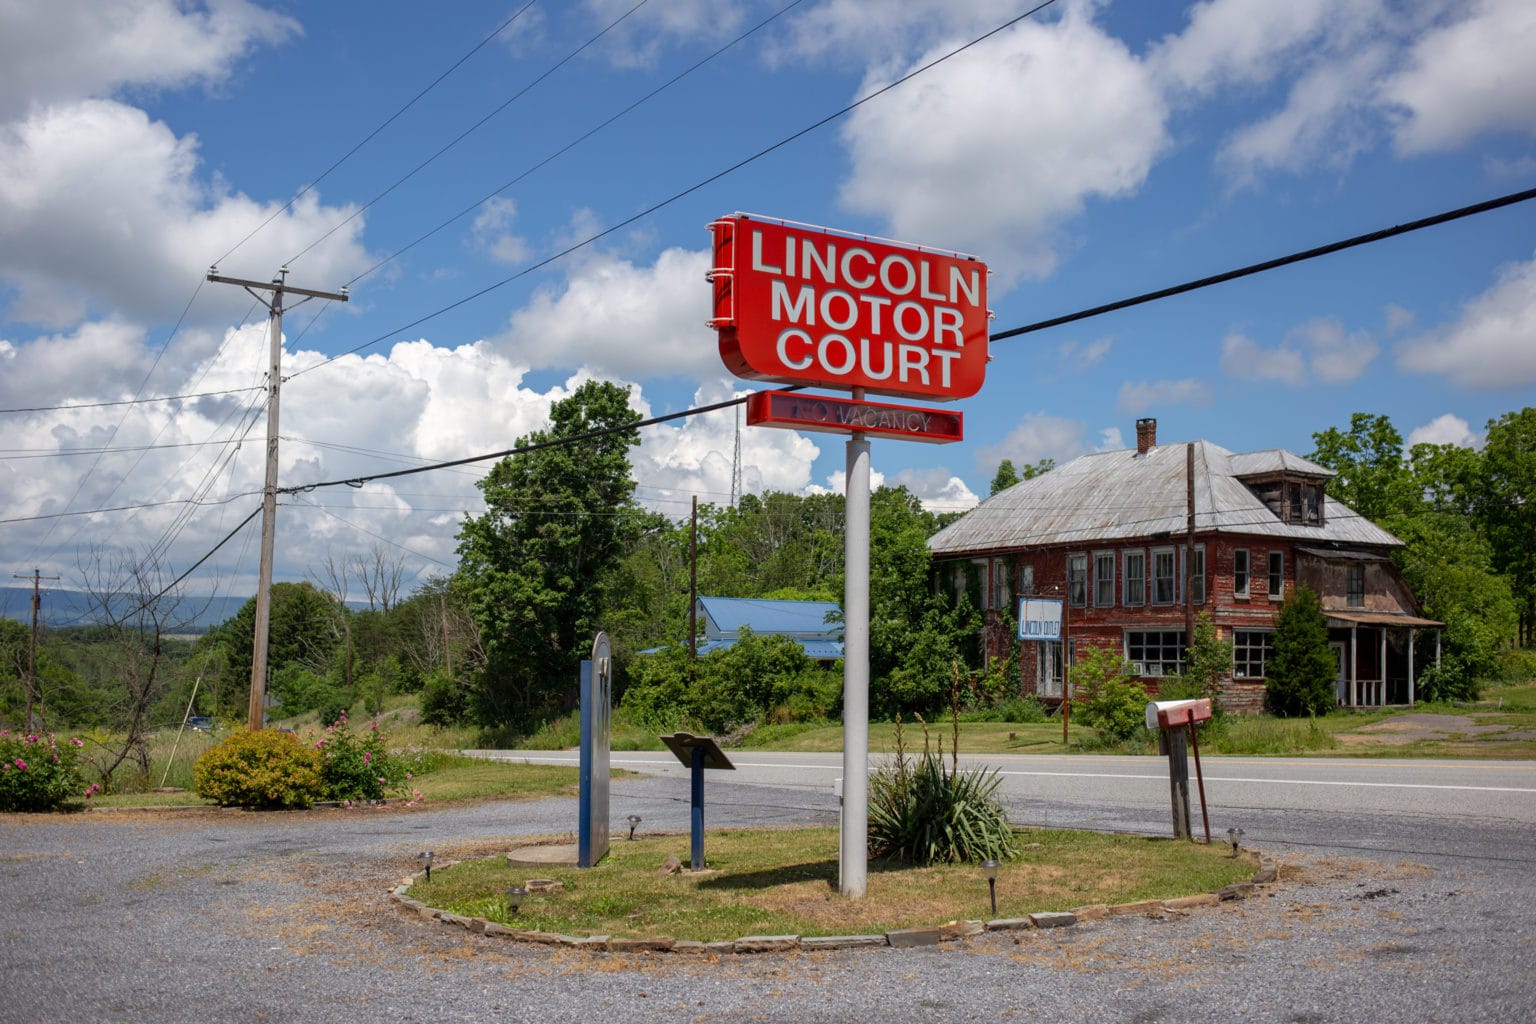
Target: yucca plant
[(924, 812)]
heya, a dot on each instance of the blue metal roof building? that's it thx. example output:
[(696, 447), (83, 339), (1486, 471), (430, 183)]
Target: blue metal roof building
[(804, 622)]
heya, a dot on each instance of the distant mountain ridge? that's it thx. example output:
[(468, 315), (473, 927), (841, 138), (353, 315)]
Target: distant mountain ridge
[(62, 609)]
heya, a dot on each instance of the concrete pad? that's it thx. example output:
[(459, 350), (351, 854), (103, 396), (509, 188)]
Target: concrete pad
[(560, 855)]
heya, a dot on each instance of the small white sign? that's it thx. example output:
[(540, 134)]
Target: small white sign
[(1039, 618)]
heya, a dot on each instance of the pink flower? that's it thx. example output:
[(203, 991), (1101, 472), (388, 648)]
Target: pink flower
[(76, 741), (21, 764), (32, 738), (367, 757)]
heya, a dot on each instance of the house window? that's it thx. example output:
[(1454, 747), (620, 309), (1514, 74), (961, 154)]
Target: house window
[(1240, 574), (1250, 649), (1104, 579), (1026, 581), (1155, 652), (1077, 580), (1276, 575), (1048, 668), (1356, 581), (1197, 575), (1135, 578), (1164, 589), (999, 587)]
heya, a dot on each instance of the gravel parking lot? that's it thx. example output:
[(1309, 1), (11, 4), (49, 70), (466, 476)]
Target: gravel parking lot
[(211, 916)]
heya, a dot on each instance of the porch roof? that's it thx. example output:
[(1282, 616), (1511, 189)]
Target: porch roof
[(1344, 619)]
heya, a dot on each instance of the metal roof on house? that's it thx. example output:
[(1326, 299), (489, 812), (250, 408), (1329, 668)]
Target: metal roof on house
[(724, 618), (1120, 495)]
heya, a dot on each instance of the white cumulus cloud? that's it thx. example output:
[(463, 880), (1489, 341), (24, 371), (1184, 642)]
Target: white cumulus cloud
[(1490, 345), (1038, 120)]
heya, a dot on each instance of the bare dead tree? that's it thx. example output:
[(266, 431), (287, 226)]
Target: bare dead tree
[(126, 600), (381, 573), (335, 579)]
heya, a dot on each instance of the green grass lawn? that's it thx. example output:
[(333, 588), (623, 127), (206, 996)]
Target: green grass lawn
[(784, 882)]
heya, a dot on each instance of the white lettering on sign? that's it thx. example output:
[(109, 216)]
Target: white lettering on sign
[(912, 335)]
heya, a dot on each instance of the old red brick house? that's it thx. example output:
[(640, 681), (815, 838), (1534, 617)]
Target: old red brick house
[(1112, 534)]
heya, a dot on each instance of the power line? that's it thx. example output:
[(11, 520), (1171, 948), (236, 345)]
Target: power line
[(675, 197), (467, 132), (573, 144), (373, 134), (129, 401), (1281, 261)]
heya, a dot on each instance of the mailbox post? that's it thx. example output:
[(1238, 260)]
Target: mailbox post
[(1174, 719)]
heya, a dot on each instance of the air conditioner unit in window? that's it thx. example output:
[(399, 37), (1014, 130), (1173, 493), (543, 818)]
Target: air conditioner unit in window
[(1136, 669)]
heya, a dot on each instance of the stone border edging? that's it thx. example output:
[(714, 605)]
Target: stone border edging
[(903, 938)]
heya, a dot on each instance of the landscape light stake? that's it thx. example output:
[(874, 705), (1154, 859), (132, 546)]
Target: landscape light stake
[(515, 896), (426, 858), (989, 871), (1235, 837), (634, 821)]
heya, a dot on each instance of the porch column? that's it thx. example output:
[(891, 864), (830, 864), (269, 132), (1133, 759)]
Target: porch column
[(1438, 634), (1412, 636), (1354, 638), (1381, 702)]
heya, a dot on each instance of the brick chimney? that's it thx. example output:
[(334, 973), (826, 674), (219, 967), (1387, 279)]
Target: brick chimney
[(1146, 435)]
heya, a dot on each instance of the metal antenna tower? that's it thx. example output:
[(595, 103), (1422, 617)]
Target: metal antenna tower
[(736, 462)]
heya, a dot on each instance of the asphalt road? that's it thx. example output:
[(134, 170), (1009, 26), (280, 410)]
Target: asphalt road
[(1398, 901)]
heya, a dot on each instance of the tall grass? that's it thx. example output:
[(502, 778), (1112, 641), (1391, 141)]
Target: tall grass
[(1257, 736)]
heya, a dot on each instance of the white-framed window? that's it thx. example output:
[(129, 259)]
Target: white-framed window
[(1355, 578), (1165, 588), (1155, 652), (998, 591), (1048, 668), (1277, 575), (1240, 574), (1197, 575), (1250, 649), (1077, 580), (1026, 581), (1103, 579), (1135, 592)]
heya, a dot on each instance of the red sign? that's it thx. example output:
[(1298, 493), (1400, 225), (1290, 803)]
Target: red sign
[(803, 305), (843, 416)]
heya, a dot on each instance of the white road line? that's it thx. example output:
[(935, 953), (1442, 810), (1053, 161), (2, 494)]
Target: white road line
[(1078, 775)]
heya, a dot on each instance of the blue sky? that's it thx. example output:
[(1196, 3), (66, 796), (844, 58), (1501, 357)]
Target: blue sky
[(1090, 152)]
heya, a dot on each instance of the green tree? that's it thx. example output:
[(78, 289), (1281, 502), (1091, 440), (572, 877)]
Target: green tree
[(1507, 508), (1006, 477), (1210, 663), (1372, 476), (1301, 675), (557, 519), (303, 634)]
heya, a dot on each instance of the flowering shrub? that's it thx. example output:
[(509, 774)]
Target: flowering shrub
[(260, 769), (37, 774), (358, 766)]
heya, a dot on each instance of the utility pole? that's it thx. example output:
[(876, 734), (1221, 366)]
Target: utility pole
[(280, 289), (1189, 555), (693, 590), (32, 691)]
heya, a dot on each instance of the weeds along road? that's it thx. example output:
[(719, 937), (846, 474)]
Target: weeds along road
[(1408, 912)]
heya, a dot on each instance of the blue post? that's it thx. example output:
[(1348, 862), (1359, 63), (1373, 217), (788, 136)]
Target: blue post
[(698, 809)]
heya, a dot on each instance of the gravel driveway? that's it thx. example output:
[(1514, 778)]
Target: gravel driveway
[(213, 916)]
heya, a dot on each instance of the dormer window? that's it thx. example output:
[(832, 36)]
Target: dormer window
[(1293, 500)]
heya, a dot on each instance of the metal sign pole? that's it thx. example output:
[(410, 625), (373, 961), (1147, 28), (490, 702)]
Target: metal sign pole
[(853, 846)]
